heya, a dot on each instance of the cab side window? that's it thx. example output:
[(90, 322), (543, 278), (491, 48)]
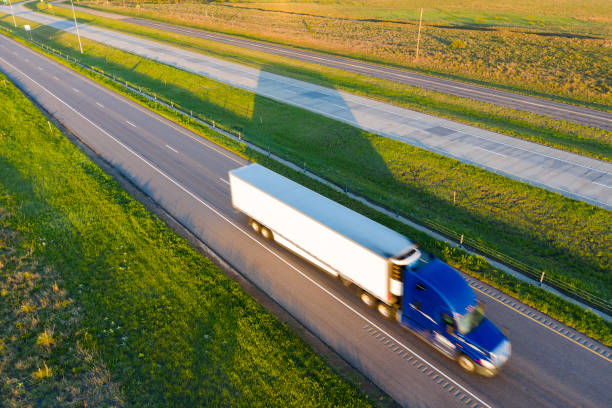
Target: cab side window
[(449, 323)]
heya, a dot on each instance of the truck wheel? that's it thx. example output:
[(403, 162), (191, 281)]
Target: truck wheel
[(368, 299), (266, 233), (385, 310), (255, 225), (466, 363)]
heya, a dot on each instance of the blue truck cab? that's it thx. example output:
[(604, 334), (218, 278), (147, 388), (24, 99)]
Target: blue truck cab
[(440, 307)]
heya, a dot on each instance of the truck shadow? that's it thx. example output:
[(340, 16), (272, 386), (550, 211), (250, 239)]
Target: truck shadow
[(394, 174)]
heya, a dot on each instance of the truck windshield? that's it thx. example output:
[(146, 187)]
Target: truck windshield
[(470, 321)]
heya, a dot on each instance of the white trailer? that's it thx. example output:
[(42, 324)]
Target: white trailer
[(327, 234)]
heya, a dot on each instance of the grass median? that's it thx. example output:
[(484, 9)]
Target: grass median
[(558, 49), (274, 127), (101, 296), (556, 133)]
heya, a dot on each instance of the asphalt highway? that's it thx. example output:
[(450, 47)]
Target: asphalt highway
[(551, 365), (539, 106), (579, 177)]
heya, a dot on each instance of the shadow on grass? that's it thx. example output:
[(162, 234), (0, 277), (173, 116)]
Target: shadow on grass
[(564, 35), (389, 173), (466, 27)]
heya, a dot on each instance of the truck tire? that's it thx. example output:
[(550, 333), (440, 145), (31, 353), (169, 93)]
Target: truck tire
[(385, 310), (367, 299), (266, 233), (466, 363), (255, 226)]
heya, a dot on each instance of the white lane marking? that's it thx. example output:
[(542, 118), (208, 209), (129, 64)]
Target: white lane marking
[(39, 68), (247, 234), (131, 124), (404, 75), (599, 184), (224, 180), (55, 77), (355, 123), (174, 150), (490, 151), (526, 312), (100, 105), (198, 139), (75, 90), (504, 144), (412, 76)]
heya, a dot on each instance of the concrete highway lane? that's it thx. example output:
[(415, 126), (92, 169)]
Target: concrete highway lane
[(557, 110), (187, 175), (579, 177)]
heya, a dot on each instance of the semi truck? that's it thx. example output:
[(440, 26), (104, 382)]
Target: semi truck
[(393, 275)]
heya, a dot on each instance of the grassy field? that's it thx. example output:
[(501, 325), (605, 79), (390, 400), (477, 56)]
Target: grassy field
[(102, 305), (564, 311), (560, 49), (560, 134), (567, 239)]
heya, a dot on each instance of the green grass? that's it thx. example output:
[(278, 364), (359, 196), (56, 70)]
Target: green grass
[(172, 329), (230, 108), (556, 133), (565, 238), (554, 54), (42, 358)]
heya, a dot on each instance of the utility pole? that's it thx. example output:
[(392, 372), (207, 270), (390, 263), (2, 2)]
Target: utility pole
[(12, 13), (76, 26), (419, 35)]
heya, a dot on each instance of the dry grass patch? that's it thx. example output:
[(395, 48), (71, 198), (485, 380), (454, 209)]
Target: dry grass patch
[(510, 44)]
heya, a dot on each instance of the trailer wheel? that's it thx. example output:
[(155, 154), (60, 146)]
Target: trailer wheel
[(255, 225), (385, 310), (369, 300), (466, 363), (266, 233)]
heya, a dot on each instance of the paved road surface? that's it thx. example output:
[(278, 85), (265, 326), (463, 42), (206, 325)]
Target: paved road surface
[(557, 110), (551, 366), (573, 175)]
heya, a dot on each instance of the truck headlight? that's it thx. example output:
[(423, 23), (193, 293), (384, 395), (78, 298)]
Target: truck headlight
[(501, 353), (487, 364)]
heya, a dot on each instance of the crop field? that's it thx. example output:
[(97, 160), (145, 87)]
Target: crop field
[(102, 305), (560, 49), (556, 133), (567, 239)]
